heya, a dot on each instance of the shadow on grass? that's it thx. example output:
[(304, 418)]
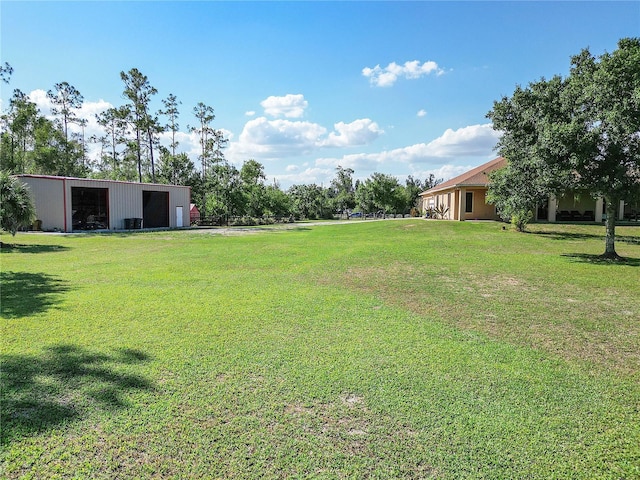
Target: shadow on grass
[(40, 392), (24, 294), (600, 260), (632, 240), (20, 248)]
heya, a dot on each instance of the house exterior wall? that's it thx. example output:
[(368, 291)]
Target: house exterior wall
[(571, 206), (580, 203), (481, 210), (455, 199), (52, 198), (560, 207)]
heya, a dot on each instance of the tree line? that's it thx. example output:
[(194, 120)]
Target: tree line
[(130, 150)]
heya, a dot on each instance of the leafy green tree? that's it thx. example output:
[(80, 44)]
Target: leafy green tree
[(204, 114), (18, 134), (380, 191), (581, 131), (16, 206), (224, 195), (176, 169), (431, 181), (529, 177), (66, 99), (309, 201), (6, 71), (364, 197), (80, 139), (52, 154), (171, 111), (253, 177), (212, 141), (139, 92), (276, 202), (32, 143), (114, 123), (411, 194), (153, 130), (7, 153), (341, 190), (514, 197)]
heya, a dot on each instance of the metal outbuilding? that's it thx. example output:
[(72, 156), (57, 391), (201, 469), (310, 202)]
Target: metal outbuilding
[(69, 204)]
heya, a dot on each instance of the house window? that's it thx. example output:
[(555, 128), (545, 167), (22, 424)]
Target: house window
[(448, 199), (468, 205)]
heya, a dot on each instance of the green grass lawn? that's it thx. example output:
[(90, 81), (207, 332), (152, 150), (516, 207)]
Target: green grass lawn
[(397, 349)]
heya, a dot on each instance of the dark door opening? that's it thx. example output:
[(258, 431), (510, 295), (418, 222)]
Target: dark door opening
[(90, 208), (155, 209)]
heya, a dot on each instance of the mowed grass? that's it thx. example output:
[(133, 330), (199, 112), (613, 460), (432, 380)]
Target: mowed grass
[(395, 349)]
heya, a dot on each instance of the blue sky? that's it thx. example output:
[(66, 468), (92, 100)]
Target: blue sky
[(401, 88)]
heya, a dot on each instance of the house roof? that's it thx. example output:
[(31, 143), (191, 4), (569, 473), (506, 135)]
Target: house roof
[(476, 177)]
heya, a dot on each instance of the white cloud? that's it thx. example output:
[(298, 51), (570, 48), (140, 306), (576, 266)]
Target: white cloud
[(359, 132), (262, 138), (467, 141), (265, 138), (422, 113), (188, 142), (87, 112), (289, 106), (319, 176), (387, 76), (471, 141), (445, 172), (39, 97), (250, 113)]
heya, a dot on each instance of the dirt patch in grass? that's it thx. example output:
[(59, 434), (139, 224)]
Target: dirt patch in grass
[(347, 425), (569, 321)]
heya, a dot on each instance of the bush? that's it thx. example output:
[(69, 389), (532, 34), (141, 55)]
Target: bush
[(16, 207)]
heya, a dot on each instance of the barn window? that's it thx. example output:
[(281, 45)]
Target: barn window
[(90, 208)]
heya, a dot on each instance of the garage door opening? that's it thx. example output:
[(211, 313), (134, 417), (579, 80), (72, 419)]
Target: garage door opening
[(155, 209), (90, 208)]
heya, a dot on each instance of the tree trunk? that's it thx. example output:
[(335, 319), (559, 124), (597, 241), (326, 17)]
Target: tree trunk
[(153, 167), (115, 155), (610, 226), (139, 154)]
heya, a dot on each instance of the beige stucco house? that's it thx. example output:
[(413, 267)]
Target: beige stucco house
[(465, 197)]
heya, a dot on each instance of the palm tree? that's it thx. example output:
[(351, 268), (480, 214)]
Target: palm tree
[(16, 206)]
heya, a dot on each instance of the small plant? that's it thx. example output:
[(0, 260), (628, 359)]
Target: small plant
[(520, 219), (440, 211), (16, 206)]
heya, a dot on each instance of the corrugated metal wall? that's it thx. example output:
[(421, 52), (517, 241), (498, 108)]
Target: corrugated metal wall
[(48, 195), (52, 197)]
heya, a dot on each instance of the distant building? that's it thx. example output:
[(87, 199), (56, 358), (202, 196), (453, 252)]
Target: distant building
[(69, 204), (194, 213)]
